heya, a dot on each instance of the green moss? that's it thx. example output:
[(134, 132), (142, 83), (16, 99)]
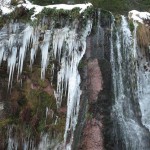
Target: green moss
[(88, 13), (89, 116), (58, 128), (47, 101), (105, 15), (82, 64), (20, 14), (131, 25), (118, 19), (75, 13), (3, 20), (4, 122), (14, 2)]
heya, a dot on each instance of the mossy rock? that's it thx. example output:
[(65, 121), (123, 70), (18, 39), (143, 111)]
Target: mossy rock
[(117, 19), (4, 122), (131, 25), (47, 101)]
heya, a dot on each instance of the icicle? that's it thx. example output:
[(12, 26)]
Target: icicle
[(11, 64), (58, 41), (44, 143), (45, 54), (27, 35), (1, 52), (34, 48), (68, 78), (11, 40), (74, 92), (12, 142)]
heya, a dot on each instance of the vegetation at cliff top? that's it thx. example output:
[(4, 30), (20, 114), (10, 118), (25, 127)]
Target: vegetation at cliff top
[(117, 6)]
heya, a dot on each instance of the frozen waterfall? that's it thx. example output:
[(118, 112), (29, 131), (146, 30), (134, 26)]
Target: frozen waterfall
[(65, 45)]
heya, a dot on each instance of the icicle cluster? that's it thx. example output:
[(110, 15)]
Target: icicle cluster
[(66, 45)]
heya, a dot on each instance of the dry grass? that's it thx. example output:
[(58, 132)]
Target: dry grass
[(143, 36)]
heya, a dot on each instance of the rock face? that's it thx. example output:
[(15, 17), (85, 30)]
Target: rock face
[(93, 137), (96, 87), (95, 81)]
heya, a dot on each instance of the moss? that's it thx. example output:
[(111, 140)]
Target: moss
[(82, 64), (47, 101), (23, 15), (14, 2), (4, 122), (20, 14), (105, 18), (2, 21), (58, 128), (88, 13), (69, 15), (117, 19), (131, 25), (89, 116), (75, 13)]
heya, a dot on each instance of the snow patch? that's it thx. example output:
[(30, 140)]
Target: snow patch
[(38, 9), (138, 16), (6, 9)]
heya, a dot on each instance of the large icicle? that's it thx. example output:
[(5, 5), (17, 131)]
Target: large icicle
[(68, 76), (11, 64), (34, 48), (45, 53), (1, 52), (27, 35)]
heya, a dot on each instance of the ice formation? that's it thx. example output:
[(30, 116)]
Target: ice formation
[(66, 45)]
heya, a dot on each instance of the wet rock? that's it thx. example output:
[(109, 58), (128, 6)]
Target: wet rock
[(92, 136), (95, 81)]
